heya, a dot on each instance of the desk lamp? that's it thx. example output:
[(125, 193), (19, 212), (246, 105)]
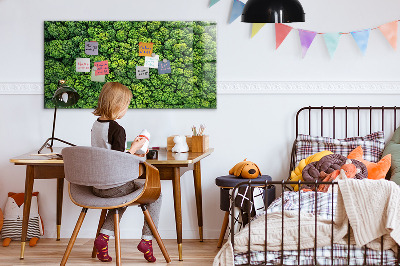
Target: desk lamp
[(64, 96), (272, 11)]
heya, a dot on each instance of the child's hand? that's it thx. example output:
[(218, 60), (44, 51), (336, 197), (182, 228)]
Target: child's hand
[(137, 144), (142, 155)]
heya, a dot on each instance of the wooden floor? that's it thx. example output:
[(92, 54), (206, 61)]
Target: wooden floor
[(50, 252)]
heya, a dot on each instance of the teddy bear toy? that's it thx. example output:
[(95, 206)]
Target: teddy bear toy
[(180, 144), (13, 215), (245, 169)]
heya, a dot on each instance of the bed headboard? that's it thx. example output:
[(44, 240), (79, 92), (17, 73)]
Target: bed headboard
[(344, 121)]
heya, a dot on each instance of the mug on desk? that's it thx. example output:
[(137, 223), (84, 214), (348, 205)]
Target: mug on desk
[(152, 155)]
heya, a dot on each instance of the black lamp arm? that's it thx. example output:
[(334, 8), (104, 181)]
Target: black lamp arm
[(46, 143)]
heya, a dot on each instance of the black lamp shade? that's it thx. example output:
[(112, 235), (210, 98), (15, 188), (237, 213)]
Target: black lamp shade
[(273, 11), (65, 96)]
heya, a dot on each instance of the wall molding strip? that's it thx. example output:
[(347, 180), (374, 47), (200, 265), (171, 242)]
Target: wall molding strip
[(259, 87)]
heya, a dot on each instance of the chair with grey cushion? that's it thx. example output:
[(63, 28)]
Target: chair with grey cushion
[(85, 167)]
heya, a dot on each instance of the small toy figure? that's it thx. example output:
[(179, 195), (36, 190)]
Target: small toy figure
[(180, 144), (245, 169)]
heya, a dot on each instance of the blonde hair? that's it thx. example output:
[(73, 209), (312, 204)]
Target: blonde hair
[(112, 99)]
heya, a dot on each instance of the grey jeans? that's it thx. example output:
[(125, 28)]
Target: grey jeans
[(154, 208)]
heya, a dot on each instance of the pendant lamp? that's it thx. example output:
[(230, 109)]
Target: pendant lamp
[(272, 11)]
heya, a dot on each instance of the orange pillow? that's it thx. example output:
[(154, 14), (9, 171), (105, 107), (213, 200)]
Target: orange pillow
[(375, 170)]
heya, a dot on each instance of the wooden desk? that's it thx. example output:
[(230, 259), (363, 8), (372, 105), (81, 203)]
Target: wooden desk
[(171, 167), (40, 167)]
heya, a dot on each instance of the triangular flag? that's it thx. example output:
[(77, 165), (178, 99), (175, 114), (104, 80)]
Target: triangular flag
[(255, 28), (306, 39), (213, 2), (281, 31), (361, 37), (390, 32), (237, 9), (332, 41)]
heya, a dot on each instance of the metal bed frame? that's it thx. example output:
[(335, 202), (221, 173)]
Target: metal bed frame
[(284, 184)]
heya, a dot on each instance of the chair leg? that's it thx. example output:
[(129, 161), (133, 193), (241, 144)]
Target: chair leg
[(154, 230), (101, 222), (223, 229), (117, 238), (73, 237)]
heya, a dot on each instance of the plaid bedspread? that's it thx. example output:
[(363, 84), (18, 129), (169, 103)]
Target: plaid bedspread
[(321, 205)]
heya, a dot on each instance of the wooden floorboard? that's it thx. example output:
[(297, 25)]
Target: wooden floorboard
[(50, 252)]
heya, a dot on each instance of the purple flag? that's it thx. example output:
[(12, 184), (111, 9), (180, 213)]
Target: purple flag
[(306, 39)]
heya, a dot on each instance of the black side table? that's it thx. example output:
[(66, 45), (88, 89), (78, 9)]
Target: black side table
[(226, 183)]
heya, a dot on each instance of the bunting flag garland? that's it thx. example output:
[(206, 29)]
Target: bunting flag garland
[(361, 38), (255, 28), (306, 39), (389, 30), (213, 2), (237, 9), (332, 41), (281, 31)]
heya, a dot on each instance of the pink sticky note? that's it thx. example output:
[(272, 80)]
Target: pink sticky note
[(102, 68)]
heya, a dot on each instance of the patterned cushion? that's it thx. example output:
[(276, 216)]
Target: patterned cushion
[(372, 144)]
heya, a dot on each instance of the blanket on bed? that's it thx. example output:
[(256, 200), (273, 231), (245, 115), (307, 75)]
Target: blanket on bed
[(373, 209), (371, 206)]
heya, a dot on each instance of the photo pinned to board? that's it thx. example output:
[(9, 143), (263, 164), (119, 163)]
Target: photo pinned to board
[(142, 72), (98, 78), (164, 67)]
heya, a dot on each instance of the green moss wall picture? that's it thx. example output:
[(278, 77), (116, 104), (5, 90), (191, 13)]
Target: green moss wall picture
[(189, 46)]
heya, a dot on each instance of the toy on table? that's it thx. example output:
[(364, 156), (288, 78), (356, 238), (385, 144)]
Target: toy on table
[(245, 169), (13, 215), (144, 134), (180, 144)]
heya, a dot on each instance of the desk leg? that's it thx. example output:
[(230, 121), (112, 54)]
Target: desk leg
[(199, 204), (60, 190), (176, 183), (27, 206)]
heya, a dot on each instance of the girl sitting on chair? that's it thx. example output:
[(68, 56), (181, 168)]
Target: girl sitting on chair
[(106, 133)]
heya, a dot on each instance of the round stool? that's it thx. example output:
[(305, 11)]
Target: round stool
[(228, 182)]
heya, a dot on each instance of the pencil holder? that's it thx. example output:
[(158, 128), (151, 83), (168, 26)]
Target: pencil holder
[(200, 143)]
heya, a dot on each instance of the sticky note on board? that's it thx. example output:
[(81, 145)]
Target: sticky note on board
[(91, 48), (102, 68), (145, 48), (83, 65), (98, 78), (151, 62), (142, 72), (164, 67)]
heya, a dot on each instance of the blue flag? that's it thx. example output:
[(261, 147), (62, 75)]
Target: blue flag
[(213, 2), (361, 38), (237, 9)]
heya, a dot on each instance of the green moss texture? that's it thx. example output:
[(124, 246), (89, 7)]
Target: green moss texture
[(190, 46)]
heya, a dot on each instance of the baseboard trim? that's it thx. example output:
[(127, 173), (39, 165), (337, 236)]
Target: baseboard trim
[(257, 87)]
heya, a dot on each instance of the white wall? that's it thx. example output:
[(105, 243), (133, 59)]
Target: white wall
[(258, 127)]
